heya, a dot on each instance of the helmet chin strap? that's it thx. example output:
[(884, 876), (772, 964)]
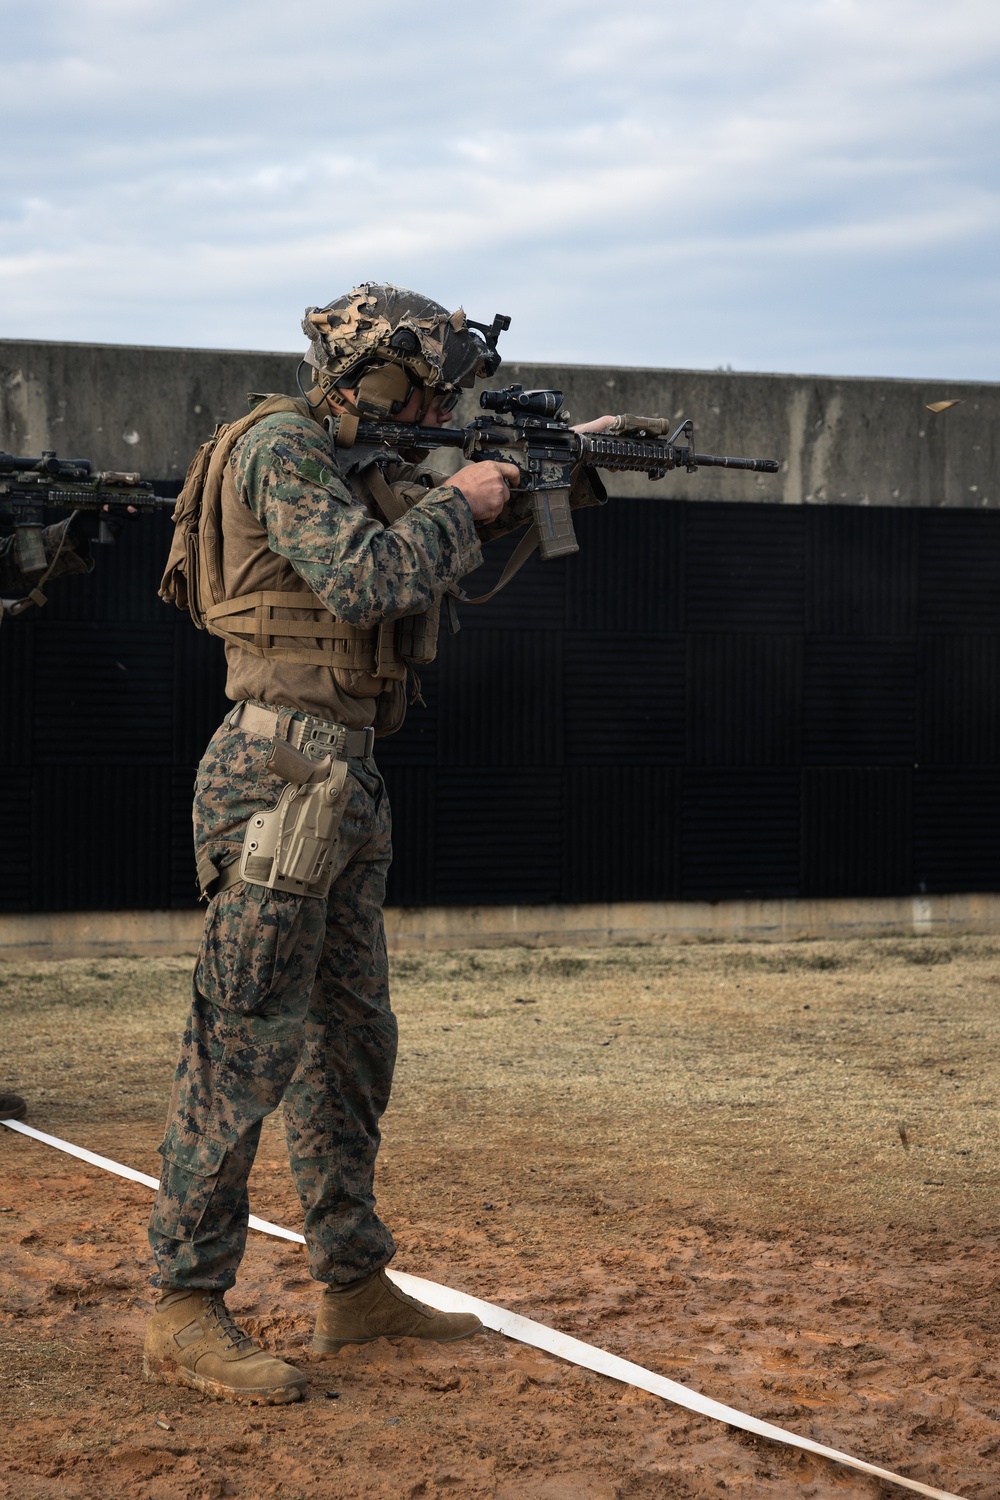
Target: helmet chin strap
[(340, 406), (342, 403), (312, 405)]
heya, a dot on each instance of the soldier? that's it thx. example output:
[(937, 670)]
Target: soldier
[(323, 566), (66, 551)]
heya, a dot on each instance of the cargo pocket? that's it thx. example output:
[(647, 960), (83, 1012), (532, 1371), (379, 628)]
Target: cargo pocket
[(260, 951), (191, 1167)]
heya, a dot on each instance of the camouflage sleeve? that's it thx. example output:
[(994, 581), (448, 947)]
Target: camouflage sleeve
[(586, 489), (69, 557), (364, 572), (70, 553)]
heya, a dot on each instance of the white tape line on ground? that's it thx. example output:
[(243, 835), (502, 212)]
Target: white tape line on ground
[(539, 1336), (107, 1165)]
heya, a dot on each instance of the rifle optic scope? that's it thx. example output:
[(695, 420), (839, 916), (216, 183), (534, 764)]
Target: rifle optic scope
[(513, 398), (65, 468)]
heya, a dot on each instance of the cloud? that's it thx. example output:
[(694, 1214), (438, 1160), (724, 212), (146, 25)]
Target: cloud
[(797, 184)]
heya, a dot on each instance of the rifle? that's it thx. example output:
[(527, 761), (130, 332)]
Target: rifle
[(30, 486), (530, 430)]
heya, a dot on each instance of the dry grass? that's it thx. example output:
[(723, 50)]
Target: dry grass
[(753, 1077)]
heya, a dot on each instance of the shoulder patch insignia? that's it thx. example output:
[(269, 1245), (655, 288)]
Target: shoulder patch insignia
[(310, 469)]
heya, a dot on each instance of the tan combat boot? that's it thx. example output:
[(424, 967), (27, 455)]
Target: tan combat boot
[(377, 1309), (192, 1340)]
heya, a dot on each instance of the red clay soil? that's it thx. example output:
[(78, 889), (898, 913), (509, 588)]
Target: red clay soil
[(881, 1343), (769, 1171)]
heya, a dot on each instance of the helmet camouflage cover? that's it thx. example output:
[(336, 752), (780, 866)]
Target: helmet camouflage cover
[(378, 324)]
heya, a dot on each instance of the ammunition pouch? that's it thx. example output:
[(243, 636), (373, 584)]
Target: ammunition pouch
[(417, 636)]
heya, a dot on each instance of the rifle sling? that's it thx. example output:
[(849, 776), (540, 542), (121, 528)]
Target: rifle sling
[(525, 547), (36, 597), (388, 502)]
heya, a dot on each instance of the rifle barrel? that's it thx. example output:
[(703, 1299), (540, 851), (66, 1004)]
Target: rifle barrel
[(758, 465)]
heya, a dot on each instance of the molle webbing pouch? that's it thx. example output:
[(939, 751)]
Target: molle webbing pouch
[(417, 636), (390, 708), (193, 576), (248, 621), (294, 846), (389, 666), (179, 584)]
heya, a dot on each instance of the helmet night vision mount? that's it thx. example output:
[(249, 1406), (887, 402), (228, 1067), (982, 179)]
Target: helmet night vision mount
[(383, 342)]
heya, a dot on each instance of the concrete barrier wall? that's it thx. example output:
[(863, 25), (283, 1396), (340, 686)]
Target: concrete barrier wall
[(854, 442), (32, 936)]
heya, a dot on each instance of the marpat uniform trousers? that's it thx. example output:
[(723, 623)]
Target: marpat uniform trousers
[(290, 1001)]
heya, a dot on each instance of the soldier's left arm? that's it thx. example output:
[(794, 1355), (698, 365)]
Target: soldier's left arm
[(66, 552)]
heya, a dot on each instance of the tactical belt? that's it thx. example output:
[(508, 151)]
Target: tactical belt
[(317, 738)]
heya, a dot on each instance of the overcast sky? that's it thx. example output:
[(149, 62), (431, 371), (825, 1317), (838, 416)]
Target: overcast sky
[(798, 185)]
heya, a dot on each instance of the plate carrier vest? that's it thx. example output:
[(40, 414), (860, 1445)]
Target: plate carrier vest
[(366, 663)]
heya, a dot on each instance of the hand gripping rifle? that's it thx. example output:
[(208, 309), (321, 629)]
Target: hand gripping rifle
[(529, 429), (31, 486)]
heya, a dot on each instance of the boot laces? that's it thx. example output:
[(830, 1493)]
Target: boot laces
[(404, 1297), (411, 1301), (227, 1325)]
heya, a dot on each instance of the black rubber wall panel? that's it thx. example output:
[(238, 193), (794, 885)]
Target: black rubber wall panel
[(709, 701)]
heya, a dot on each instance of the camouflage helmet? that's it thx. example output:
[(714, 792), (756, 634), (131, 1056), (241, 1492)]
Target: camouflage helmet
[(377, 325)]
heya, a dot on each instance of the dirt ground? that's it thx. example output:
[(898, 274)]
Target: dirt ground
[(767, 1171)]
